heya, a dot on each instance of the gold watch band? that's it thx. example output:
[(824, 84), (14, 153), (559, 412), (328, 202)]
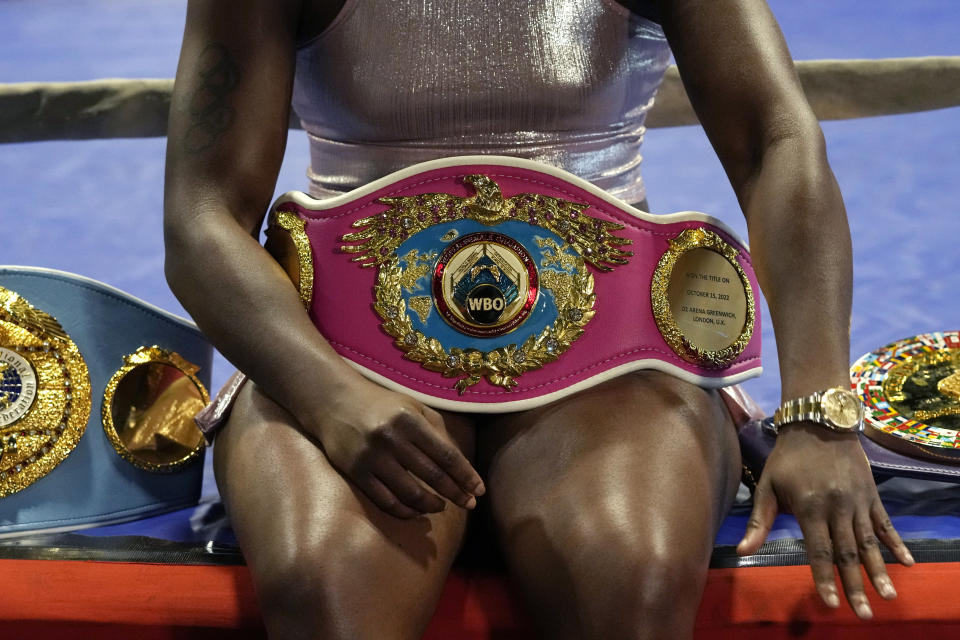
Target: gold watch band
[(837, 409), (802, 409)]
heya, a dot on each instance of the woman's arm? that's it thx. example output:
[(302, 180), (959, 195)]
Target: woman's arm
[(740, 79), (227, 134)]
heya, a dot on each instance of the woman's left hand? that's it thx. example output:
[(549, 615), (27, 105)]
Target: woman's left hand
[(824, 480)]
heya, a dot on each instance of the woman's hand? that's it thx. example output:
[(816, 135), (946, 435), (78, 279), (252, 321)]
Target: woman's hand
[(395, 450), (824, 479)]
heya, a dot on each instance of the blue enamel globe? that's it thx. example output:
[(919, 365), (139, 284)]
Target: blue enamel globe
[(10, 385)]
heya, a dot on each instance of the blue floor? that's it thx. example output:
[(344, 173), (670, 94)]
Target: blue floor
[(95, 207)]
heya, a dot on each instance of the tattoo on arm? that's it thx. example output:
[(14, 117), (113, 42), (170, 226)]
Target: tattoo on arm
[(211, 113)]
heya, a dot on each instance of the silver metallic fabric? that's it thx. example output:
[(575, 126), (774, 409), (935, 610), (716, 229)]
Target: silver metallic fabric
[(395, 82)]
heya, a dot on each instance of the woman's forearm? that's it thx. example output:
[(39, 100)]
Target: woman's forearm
[(250, 310), (740, 78), (800, 244)]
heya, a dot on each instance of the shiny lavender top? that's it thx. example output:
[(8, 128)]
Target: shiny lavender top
[(395, 82)]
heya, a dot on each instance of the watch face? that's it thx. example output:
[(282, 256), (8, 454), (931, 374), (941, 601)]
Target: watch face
[(842, 408)]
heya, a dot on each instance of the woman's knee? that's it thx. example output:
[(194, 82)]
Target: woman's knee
[(654, 564), (646, 587), (335, 587), (590, 579), (667, 585), (292, 599)]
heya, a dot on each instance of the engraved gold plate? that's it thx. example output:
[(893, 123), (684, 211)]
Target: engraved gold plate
[(702, 299), (44, 393), (148, 410), (911, 394)]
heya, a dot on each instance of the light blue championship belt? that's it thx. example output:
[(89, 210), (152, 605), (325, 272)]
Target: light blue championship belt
[(97, 396)]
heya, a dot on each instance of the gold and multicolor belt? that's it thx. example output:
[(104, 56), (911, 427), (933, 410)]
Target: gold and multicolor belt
[(911, 395), (492, 284), (97, 396)]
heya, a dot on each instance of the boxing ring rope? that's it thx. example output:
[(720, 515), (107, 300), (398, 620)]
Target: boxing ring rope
[(137, 108)]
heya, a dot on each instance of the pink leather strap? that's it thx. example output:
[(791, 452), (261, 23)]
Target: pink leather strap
[(621, 334)]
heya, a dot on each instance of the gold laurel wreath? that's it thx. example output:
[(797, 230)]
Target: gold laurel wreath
[(381, 235)]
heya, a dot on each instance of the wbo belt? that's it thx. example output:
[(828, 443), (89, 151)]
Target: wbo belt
[(97, 396), (494, 284)]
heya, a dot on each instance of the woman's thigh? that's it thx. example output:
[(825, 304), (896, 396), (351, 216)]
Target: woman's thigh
[(607, 504), (326, 562)]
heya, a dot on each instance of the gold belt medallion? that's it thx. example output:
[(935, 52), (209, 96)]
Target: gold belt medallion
[(44, 393), (495, 268)]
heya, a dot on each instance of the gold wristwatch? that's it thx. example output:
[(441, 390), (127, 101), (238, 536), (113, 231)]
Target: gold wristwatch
[(836, 409)]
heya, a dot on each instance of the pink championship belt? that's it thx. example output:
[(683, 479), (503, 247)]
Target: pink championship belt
[(494, 284)]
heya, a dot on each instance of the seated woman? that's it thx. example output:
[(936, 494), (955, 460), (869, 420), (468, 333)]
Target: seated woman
[(350, 500)]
